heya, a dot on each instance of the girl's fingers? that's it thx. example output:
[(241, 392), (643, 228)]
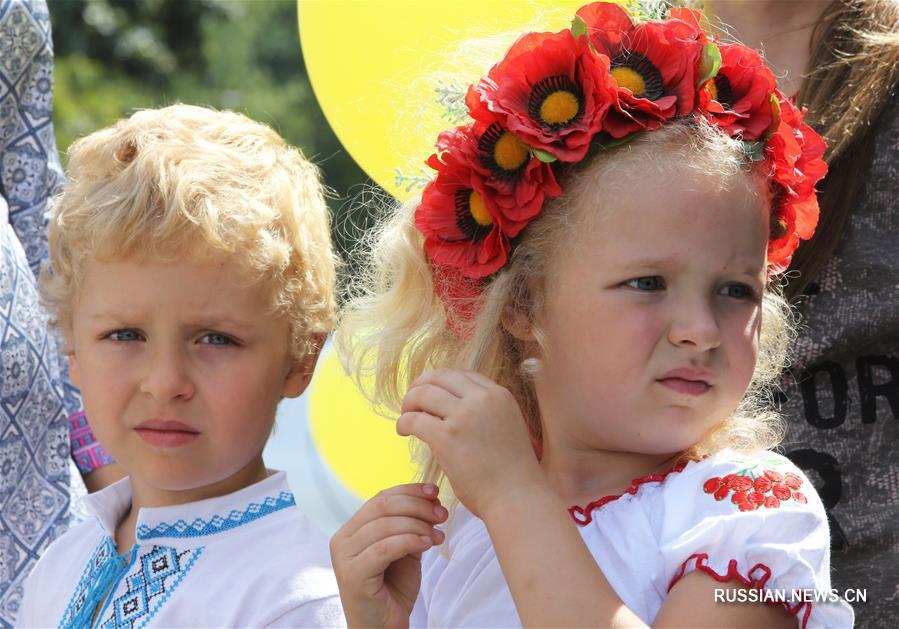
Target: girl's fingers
[(430, 398), (412, 499), (374, 560), (419, 424), (479, 378), (383, 528), (453, 380)]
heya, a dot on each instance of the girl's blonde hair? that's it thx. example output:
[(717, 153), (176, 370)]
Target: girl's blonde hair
[(395, 327), (191, 182)]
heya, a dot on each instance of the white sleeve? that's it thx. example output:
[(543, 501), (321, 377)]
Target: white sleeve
[(322, 612), (756, 520), (25, 616), (432, 566)]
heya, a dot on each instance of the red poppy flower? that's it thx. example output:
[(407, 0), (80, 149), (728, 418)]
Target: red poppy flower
[(653, 63), (550, 90), (458, 217), (692, 17), (795, 152), (519, 182), (739, 97), (793, 218), (783, 240)]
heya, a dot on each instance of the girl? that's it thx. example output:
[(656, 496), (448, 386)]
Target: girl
[(588, 279)]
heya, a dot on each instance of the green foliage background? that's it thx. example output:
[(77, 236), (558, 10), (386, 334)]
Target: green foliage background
[(115, 56)]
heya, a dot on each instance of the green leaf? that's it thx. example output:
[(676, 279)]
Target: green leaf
[(755, 150), (543, 156), (578, 26), (709, 63), (611, 143)]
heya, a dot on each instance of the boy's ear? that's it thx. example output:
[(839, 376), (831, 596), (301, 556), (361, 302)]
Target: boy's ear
[(300, 373), (518, 324), (73, 371)]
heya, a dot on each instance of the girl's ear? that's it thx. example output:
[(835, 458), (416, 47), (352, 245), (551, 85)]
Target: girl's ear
[(300, 373), (518, 324)]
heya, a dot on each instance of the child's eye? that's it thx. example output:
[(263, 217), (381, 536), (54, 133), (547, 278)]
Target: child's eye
[(214, 338), (649, 283), (123, 336), (737, 291)]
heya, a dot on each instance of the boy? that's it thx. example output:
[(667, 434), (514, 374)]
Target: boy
[(193, 278)]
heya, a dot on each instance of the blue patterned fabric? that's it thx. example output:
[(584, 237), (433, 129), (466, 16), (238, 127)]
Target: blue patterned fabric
[(216, 524), (35, 396), (150, 576), (133, 587)]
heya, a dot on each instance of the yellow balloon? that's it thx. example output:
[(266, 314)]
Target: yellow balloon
[(375, 67), (359, 447)]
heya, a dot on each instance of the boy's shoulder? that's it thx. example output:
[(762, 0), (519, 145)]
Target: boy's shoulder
[(70, 549), (259, 547), (60, 566)]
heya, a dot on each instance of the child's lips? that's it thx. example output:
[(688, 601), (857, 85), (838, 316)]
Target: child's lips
[(688, 387), (688, 380), (166, 433)]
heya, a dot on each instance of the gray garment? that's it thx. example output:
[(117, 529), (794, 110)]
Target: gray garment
[(842, 399)]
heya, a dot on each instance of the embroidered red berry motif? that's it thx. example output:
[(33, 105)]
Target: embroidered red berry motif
[(769, 489), (781, 491)]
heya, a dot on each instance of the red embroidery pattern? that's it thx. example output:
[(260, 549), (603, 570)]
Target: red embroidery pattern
[(756, 578), (584, 515), (751, 490)]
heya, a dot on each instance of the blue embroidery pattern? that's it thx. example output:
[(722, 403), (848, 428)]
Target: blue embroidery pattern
[(161, 571), (101, 570), (217, 524)]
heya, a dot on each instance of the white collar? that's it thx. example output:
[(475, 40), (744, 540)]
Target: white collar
[(192, 521)]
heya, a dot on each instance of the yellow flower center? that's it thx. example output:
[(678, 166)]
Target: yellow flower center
[(478, 209), (510, 152), (559, 108), (631, 79), (712, 88)]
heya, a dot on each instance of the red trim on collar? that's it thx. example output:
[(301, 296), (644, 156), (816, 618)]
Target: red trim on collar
[(584, 515), (754, 579)]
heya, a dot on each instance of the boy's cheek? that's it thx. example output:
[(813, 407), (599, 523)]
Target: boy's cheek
[(73, 371)]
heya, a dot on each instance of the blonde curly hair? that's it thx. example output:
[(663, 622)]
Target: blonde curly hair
[(191, 182), (394, 327)]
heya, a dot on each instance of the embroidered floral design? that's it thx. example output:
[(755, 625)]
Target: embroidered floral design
[(753, 489)]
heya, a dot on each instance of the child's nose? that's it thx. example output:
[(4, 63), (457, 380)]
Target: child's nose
[(695, 326), (167, 377)]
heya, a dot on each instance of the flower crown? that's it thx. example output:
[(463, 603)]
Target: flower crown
[(554, 96)]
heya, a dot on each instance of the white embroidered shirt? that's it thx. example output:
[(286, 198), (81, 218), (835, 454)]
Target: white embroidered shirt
[(246, 559), (750, 519)]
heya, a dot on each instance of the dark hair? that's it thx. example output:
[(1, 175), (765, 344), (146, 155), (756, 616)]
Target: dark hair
[(853, 72)]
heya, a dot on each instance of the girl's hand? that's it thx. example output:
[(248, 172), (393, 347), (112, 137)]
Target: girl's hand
[(476, 433), (377, 554)]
